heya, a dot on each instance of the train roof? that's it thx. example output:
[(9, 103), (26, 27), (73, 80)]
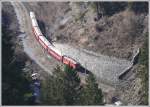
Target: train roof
[(45, 40), (33, 18), (55, 50), (70, 59)]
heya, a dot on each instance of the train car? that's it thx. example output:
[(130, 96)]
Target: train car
[(55, 53), (44, 42), (71, 62), (35, 27)]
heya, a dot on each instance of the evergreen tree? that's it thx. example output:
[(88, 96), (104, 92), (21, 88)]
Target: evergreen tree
[(14, 83), (64, 89), (90, 94), (53, 89)]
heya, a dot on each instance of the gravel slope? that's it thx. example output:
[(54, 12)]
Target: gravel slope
[(105, 68)]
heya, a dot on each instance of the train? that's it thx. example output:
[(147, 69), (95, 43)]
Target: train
[(49, 48)]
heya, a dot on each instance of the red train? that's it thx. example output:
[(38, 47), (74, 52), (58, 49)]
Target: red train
[(49, 47)]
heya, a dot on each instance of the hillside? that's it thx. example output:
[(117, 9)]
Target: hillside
[(116, 34), (102, 36), (110, 28)]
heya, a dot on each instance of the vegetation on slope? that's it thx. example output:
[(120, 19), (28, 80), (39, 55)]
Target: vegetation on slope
[(110, 8), (64, 89), (14, 83), (143, 70)]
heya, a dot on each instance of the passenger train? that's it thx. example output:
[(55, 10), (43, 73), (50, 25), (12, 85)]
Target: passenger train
[(51, 50)]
